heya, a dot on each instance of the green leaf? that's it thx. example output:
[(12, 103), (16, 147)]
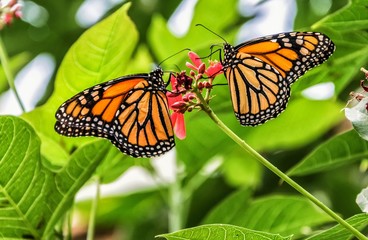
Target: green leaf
[(32, 196), (275, 214), (350, 55), (347, 28), (67, 182), (220, 232), (22, 180), (339, 232), (338, 151), (101, 53), (312, 11), (352, 17)]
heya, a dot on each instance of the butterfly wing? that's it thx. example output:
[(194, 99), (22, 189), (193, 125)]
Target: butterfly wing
[(261, 71), (131, 111), (292, 53), (258, 92)]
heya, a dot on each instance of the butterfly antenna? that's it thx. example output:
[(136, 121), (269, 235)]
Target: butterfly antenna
[(185, 49), (218, 35)]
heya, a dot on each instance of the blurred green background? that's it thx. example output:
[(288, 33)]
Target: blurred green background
[(49, 28)]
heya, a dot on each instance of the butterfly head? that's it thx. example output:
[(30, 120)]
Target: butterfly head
[(155, 78), (229, 54), (158, 72)]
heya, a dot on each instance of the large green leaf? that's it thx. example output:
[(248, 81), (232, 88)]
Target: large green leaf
[(275, 214), (352, 17), (220, 232), (338, 151), (100, 54), (32, 196), (339, 232), (311, 12)]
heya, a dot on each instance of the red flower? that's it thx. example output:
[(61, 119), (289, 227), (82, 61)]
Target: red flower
[(177, 105), (177, 119), (211, 71), (181, 98), (214, 69)]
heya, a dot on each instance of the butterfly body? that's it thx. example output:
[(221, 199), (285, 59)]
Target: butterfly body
[(261, 71), (131, 111)]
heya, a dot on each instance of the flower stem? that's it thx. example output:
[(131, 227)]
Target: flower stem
[(275, 170), (8, 73), (92, 217)]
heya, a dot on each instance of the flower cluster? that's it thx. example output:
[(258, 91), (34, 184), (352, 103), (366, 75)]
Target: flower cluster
[(8, 10), (182, 97)]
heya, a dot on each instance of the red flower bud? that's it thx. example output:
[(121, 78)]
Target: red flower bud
[(178, 105), (207, 85), (202, 68), (191, 96), (200, 85), (172, 94), (185, 98)]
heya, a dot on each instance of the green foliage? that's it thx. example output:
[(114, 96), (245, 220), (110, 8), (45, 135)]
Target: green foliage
[(41, 172), (293, 213), (339, 233), (338, 151), (33, 195), (220, 232)]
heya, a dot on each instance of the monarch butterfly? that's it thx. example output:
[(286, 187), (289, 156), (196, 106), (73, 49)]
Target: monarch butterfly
[(131, 111), (261, 71)]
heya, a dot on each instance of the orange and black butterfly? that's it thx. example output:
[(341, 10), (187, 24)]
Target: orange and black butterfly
[(261, 71), (131, 111)]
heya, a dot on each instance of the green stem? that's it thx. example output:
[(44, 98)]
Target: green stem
[(8, 73), (92, 217), (275, 170)]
